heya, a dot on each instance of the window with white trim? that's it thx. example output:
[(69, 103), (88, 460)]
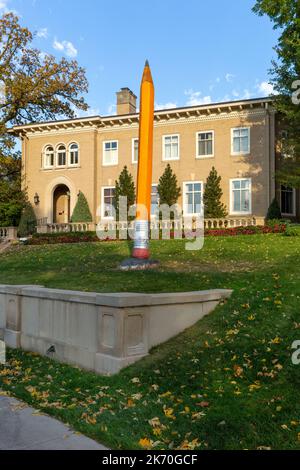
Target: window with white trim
[(240, 141), (205, 144), (108, 201), (110, 152), (135, 150), (192, 198), (73, 154), (49, 157), (241, 196), (171, 147), (61, 156), (287, 200), (154, 199)]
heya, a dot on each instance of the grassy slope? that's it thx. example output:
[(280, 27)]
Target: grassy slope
[(228, 381)]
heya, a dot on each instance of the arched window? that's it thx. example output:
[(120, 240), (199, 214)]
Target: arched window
[(74, 154), (49, 157), (61, 156)]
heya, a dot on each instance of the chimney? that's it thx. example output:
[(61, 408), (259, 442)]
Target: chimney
[(126, 101)]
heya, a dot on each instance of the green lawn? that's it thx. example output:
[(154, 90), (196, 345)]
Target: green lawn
[(226, 383)]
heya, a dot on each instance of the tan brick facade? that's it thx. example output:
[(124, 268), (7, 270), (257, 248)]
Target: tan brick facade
[(91, 176)]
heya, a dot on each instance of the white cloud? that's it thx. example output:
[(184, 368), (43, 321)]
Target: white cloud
[(265, 88), (42, 33), (229, 77), (195, 98), (235, 93), (93, 111), (112, 109), (71, 51), (90, 112), (206, 100), (212, 85), (3, 4), (43, 55), (79, 113), (247, 95), (65, 46), (58, 45), (5, 9), (168, 105), (225, 99)]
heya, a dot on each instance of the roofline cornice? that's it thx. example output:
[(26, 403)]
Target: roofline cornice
[(165, 115)]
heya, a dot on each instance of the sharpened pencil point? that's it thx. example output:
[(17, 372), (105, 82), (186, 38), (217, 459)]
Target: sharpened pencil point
[(147, 63)]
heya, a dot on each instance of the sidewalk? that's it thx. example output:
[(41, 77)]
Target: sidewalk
[(4, 246), (22, 427)]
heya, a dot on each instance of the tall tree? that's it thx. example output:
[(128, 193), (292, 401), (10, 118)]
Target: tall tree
[(124, 186), (12, 198), (33, 87), (285, 77), (167, 188), (36, 86), (213, 207)]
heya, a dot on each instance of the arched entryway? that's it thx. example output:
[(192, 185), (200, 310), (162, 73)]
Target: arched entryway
[(61, 204)]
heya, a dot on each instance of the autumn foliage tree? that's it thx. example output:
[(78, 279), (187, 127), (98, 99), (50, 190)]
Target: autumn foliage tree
[(33, 87), (36, 86), (285, 77)]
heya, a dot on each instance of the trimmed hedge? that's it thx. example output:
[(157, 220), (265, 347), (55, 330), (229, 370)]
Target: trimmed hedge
[(274, 211), (68, 237), (27, 225), (81, 211)]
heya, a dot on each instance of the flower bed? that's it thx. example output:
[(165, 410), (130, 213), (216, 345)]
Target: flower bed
[(82, 237), (249, 230)]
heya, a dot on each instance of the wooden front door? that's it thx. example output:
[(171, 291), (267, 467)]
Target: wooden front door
[(61, 205)]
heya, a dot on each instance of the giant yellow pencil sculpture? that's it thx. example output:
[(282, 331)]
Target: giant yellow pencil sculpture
[(144, 179)]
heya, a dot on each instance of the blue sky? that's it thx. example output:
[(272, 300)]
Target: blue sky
[(200, 51)]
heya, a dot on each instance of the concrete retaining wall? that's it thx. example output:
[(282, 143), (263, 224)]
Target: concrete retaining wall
[(100, 332)]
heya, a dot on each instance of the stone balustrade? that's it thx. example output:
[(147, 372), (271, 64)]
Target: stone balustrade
[(99, 332), (187, 223), (231, 222), (67, 227), (156, 225), (8, 233)]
